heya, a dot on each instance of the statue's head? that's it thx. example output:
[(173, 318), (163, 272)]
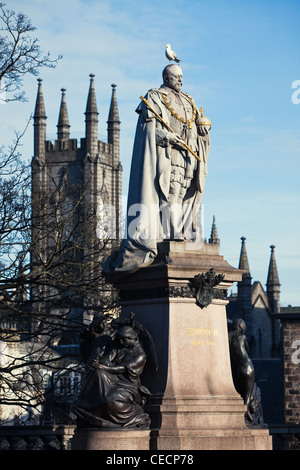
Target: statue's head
[(127, 336), (240, 325), (172, 77)]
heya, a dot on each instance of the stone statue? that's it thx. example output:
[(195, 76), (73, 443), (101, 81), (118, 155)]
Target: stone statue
[(112, 395), (168, 173), (243, 373)]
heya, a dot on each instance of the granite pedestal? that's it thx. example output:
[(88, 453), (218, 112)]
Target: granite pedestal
[(95, 439), (194, 404)]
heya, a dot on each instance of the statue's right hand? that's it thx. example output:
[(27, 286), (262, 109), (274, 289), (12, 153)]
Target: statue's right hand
[(175, 139)]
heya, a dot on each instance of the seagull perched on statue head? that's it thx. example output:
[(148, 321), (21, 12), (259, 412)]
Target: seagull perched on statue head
[(171, 54)]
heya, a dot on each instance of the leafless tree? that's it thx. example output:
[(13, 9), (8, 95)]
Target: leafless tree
[(51, 284), (50, 258), (20, 53)]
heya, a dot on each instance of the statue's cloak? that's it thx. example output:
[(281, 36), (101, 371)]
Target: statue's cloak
[(109, 400), (149, 186)]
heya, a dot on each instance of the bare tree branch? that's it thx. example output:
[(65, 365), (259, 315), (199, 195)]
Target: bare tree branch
[(20, 54)]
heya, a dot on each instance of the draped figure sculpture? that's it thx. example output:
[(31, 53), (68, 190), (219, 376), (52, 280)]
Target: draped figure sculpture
[(243, 373), (166, 180), (241, 365), (112, 395)]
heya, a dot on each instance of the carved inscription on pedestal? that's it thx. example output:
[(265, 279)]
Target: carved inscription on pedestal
[(202, 336)]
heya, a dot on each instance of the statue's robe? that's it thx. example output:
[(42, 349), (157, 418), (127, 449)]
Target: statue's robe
[(112, 400), (148, 203)]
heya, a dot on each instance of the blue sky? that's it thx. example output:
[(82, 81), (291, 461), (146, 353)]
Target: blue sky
[(239, 61)]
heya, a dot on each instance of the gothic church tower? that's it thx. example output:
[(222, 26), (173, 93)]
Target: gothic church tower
[(90, 166), (93, 164)]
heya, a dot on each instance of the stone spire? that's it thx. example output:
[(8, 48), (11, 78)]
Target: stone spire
[(39, 123), (91, 120), (273, 284), (113, 125), (244, 264), (63, 127), (273, 278), (245, 291), (214, 234), (113, 116)]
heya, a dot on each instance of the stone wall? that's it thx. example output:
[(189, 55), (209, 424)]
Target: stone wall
[(291, 358)]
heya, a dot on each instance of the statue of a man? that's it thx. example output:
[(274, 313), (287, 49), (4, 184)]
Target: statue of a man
[(166, 180)]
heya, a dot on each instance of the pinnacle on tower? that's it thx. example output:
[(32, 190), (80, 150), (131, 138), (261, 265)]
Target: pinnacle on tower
[(91, 120), (39, 123), (113, 126), (63, 126), (91, 105), (273, 284), (214, 234), (244, 264), (39, 106), (245, 291), (113, 115), (273, 278)]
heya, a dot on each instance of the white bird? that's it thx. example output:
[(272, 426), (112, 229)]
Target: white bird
[(171, 54)]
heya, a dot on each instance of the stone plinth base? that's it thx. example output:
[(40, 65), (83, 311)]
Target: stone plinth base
[(194, 404), (225, 439), (94, 439)]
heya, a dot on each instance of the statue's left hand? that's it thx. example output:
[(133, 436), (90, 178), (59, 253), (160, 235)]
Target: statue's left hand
[(203, 131)]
